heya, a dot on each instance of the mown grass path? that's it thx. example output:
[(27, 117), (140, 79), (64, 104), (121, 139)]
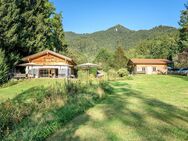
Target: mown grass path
[(148, 108)]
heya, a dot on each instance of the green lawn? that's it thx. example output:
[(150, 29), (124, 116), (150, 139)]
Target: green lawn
[(14, 90), (148, 108)]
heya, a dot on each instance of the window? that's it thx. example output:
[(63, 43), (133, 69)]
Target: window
[(143, 69), (43, 73), (154, 69), (63, 72)]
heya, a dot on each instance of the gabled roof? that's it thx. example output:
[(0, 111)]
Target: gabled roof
[(150, 61), (47, 52)]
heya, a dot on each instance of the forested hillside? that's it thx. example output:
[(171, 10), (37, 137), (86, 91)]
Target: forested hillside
[(89, 44)]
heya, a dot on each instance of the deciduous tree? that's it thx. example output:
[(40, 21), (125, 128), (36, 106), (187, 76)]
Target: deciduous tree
[(120, 60)]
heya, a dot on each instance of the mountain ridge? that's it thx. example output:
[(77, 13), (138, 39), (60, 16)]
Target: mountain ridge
[(89, 44), (119, 25)]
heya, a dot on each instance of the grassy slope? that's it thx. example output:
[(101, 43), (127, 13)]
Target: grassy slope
[(146, 108), (38, 112), (14, 90)]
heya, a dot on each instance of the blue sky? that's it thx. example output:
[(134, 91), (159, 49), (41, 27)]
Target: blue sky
[(86, 16)]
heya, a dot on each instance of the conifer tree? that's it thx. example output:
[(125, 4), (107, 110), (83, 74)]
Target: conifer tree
[(29, 26), (183, 42), (58, 40)]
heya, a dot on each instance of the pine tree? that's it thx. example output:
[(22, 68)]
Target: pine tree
[(58, 40), (183, 42)]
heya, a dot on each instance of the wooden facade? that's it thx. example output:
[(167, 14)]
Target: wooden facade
[(48, 64)]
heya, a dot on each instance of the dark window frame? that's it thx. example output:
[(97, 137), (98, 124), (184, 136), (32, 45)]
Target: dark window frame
[(154, 69), (143, 69)]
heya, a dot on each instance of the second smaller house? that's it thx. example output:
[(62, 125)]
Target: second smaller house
[(149, 66)]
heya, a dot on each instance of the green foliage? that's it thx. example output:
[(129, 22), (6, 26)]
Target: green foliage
[(112, 74), (93, 71), (90, 45), (183, 42), (165, 47), (72, 88), (38, 112), (181, 60), (57, 40), (82, 74), (76, 55), (104, 58), (3, 69), (122, 72), (27, 27), (120, 60)]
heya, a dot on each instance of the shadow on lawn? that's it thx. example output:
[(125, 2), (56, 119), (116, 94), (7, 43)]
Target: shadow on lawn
[(163, 118)]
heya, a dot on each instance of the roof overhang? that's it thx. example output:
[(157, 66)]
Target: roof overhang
[(31, 57), (150, 61)]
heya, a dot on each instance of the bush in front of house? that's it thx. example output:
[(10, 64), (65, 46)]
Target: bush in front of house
[(93, 71), (123, 72), (82, 74), (39, 112)]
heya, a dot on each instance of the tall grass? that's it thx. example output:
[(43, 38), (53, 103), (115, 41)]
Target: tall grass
[(39, 112)]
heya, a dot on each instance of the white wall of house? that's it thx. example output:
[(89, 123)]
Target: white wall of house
[(63, 71), (150, 69)]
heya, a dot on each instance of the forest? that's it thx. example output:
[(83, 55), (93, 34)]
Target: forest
[(27, 27)]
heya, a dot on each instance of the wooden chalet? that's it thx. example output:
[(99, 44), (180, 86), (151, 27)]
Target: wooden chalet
[(48, 64)]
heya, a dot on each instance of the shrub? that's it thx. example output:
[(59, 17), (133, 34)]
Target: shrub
[(93, 71), (112, 75), (71, 87), (82, 75), (12, 114), (123, 72)]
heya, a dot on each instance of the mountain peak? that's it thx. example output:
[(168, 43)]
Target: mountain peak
[(118, 28)]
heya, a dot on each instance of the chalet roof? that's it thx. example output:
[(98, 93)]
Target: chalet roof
[(47, 52), (150, 61)]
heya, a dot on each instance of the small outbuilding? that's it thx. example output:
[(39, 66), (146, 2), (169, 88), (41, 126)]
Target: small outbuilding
[(149, 66), (48, 64)]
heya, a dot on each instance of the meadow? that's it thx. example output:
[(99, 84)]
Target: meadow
[(148, 107)]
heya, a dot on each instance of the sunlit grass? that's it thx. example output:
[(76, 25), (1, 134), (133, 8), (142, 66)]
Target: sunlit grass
[(153, 108), (14, 90)]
